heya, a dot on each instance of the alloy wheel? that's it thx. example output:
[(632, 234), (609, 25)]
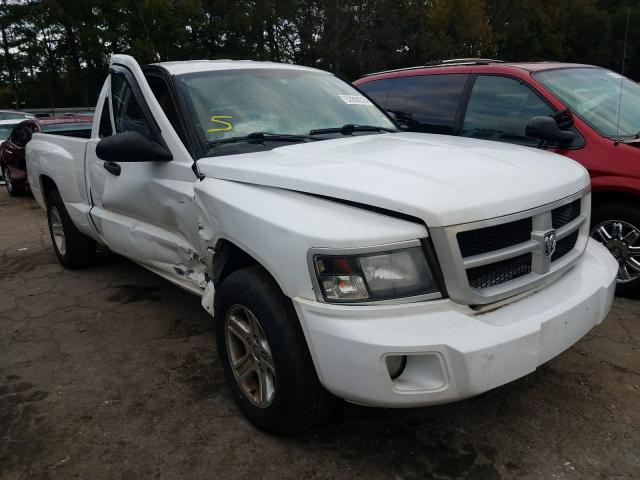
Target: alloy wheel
[(57, 231), (6, 173), (622, 239), (250, 356)]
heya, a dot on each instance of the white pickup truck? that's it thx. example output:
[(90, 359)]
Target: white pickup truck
[(335, 252)]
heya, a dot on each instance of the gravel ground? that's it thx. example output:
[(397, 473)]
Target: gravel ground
[(111, 373)]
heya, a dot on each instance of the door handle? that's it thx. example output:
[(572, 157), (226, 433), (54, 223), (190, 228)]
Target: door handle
[(113, 168)]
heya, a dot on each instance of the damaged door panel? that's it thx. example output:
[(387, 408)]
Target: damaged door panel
[(146, 212)]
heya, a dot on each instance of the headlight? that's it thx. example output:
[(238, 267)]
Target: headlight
[(374, 276)]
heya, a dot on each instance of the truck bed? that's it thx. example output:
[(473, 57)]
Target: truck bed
[(61, 158)]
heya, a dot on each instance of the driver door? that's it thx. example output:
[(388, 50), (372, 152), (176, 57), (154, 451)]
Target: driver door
[(499, 108), (144, 210)]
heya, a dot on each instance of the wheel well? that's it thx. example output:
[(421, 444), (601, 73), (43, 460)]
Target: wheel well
[(228, 259), (612, 196), (48, 185)]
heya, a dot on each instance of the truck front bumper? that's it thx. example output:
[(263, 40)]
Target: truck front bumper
[(452, 351)]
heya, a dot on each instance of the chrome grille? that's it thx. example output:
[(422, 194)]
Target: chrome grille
[(490, 260), (563, 215), (481, 240), (499, 272), (565, 246)]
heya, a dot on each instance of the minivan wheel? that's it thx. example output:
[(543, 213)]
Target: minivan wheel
[(8, 183), (73, 249), (617, 227), (265, 356)]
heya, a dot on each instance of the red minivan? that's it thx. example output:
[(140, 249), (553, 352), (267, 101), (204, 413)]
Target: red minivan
[(587, 113), (12, 160)]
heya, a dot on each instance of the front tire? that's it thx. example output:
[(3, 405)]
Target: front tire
[(617, 227), (265, 356), (12, 189), (73, 249)]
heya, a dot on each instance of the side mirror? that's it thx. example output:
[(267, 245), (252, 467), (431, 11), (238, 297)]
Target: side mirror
[(563, 118), (394, 117), (546, 129), (131, 147)]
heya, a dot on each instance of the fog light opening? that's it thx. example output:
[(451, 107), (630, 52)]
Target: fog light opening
[(395, 365)]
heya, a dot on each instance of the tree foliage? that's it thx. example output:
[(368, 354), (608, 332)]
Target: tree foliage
[(55, 52)]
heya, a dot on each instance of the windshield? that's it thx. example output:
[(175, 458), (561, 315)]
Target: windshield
[(236, 103), (5, 131), (594, 94)]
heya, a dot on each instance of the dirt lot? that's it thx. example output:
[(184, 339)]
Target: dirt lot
[(111, 373)]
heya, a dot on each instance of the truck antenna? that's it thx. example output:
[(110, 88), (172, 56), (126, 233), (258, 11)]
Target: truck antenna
[(144, 24), (624, 57)]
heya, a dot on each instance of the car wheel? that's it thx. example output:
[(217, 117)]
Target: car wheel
[(265, 356), (73, 249), (617, 227), (8, 183)]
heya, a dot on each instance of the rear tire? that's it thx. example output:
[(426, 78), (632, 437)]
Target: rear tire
[(73, 249), (613, 225), (294, 400)]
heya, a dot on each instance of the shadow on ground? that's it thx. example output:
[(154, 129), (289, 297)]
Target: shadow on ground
[(111, 372)]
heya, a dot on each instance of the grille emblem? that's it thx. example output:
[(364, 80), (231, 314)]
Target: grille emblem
[(549, 243)]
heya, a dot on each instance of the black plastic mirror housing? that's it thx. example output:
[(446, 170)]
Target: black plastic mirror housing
[(546, 128), (403, 126), (131, 147)]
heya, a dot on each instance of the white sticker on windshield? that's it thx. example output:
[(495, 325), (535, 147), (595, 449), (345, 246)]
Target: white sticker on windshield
[(614, 74), (355, 100)]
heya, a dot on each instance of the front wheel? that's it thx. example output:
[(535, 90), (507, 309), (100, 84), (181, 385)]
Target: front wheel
[(265, 356), (12, 189), (617, 227), (73, 249)]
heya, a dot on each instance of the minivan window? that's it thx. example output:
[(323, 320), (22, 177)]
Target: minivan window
[(499, 109), (427, 103), (20, 136), (607, 101), (14, 115), (378, 90), (5, 131)]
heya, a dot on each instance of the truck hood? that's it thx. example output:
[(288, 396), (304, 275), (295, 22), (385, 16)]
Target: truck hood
[(443, 180)]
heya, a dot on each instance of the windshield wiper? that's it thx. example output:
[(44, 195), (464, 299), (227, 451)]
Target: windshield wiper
[(261, 137), (349, 128), (626, 139)]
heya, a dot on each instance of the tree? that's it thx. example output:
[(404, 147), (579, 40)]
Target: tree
[(461, 27), (56, 52)]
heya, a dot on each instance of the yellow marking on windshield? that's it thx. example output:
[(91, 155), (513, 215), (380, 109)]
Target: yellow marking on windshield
[(216, 119)]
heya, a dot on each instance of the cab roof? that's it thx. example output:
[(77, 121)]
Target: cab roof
[(193, 66)]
